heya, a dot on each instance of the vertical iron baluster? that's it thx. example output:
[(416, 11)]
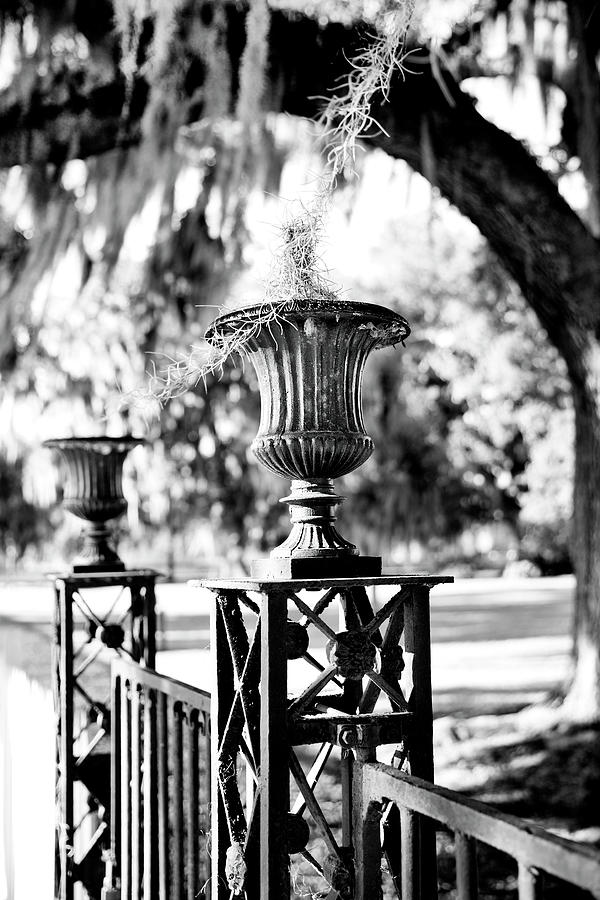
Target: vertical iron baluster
[(421, 745), (274, 776), (178, 836), (115, 775), (530, 883), (150, 881), (346, 763), (162, 746), (136, 796), (409, 843), (125, 789), (64, 622), (417, 642), (466, 866), (149, 652), (365, 830), (348, 620), (192, 788), (206, 799), (66, 740)]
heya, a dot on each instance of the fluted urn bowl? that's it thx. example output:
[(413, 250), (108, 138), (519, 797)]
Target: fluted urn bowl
[(310, 366), (93, 491)]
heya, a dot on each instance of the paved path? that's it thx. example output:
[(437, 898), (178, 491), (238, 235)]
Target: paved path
[(497, 643)]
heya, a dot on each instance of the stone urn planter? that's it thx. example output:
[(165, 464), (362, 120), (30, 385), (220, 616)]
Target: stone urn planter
[(93, 491), (310, 367)]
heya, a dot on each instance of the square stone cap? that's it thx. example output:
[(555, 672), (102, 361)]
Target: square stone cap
[(262, 586), (103, 579)]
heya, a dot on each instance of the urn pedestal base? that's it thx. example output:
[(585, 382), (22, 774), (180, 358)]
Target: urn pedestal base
[(314, 548), (275, 569), (97, 554)]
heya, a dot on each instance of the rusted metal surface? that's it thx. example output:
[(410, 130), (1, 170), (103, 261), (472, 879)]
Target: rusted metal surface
[(158, 843), (360, 698), (88, 632), (535, 849)]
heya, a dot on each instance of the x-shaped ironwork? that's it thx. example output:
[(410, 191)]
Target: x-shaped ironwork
[(364, 662)]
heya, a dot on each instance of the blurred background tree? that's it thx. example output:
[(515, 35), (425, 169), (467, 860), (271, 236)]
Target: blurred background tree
[(137, 184)]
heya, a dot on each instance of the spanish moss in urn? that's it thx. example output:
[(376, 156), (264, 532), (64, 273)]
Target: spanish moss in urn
[(310, 366), (93, 491)]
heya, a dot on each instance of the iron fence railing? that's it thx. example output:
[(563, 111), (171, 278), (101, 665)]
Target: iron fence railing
[(161, 772), (160, 786), (403, 804)]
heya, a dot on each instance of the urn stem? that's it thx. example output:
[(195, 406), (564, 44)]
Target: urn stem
[(312, 505)]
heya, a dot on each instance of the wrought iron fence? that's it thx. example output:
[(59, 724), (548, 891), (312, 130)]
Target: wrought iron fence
[(403, 804), (160, 850), (160, 787)]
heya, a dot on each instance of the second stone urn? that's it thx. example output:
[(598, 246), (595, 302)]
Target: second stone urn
[(93, 468), (310, 366)]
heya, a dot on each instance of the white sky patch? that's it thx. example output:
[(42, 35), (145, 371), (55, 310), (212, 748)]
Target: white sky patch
[(141, 231), (9, 55), (187, 189), (66, 281), (438, 20), (74, 176), (574, 189), (519, 109), (15, 202)]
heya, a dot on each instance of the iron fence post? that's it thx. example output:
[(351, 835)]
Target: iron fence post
[(274, 776), (254, 833), (63, 695), (222, 697), (418, 640), (366, 820), (76, 861)]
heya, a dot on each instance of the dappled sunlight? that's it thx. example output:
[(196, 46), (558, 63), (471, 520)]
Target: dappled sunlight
[(324, 179)]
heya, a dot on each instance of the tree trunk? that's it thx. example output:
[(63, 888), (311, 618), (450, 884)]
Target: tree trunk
[(584, 98), (583, 697)]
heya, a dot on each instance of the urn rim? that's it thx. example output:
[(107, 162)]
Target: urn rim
[(123, 443), (394, 327)]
